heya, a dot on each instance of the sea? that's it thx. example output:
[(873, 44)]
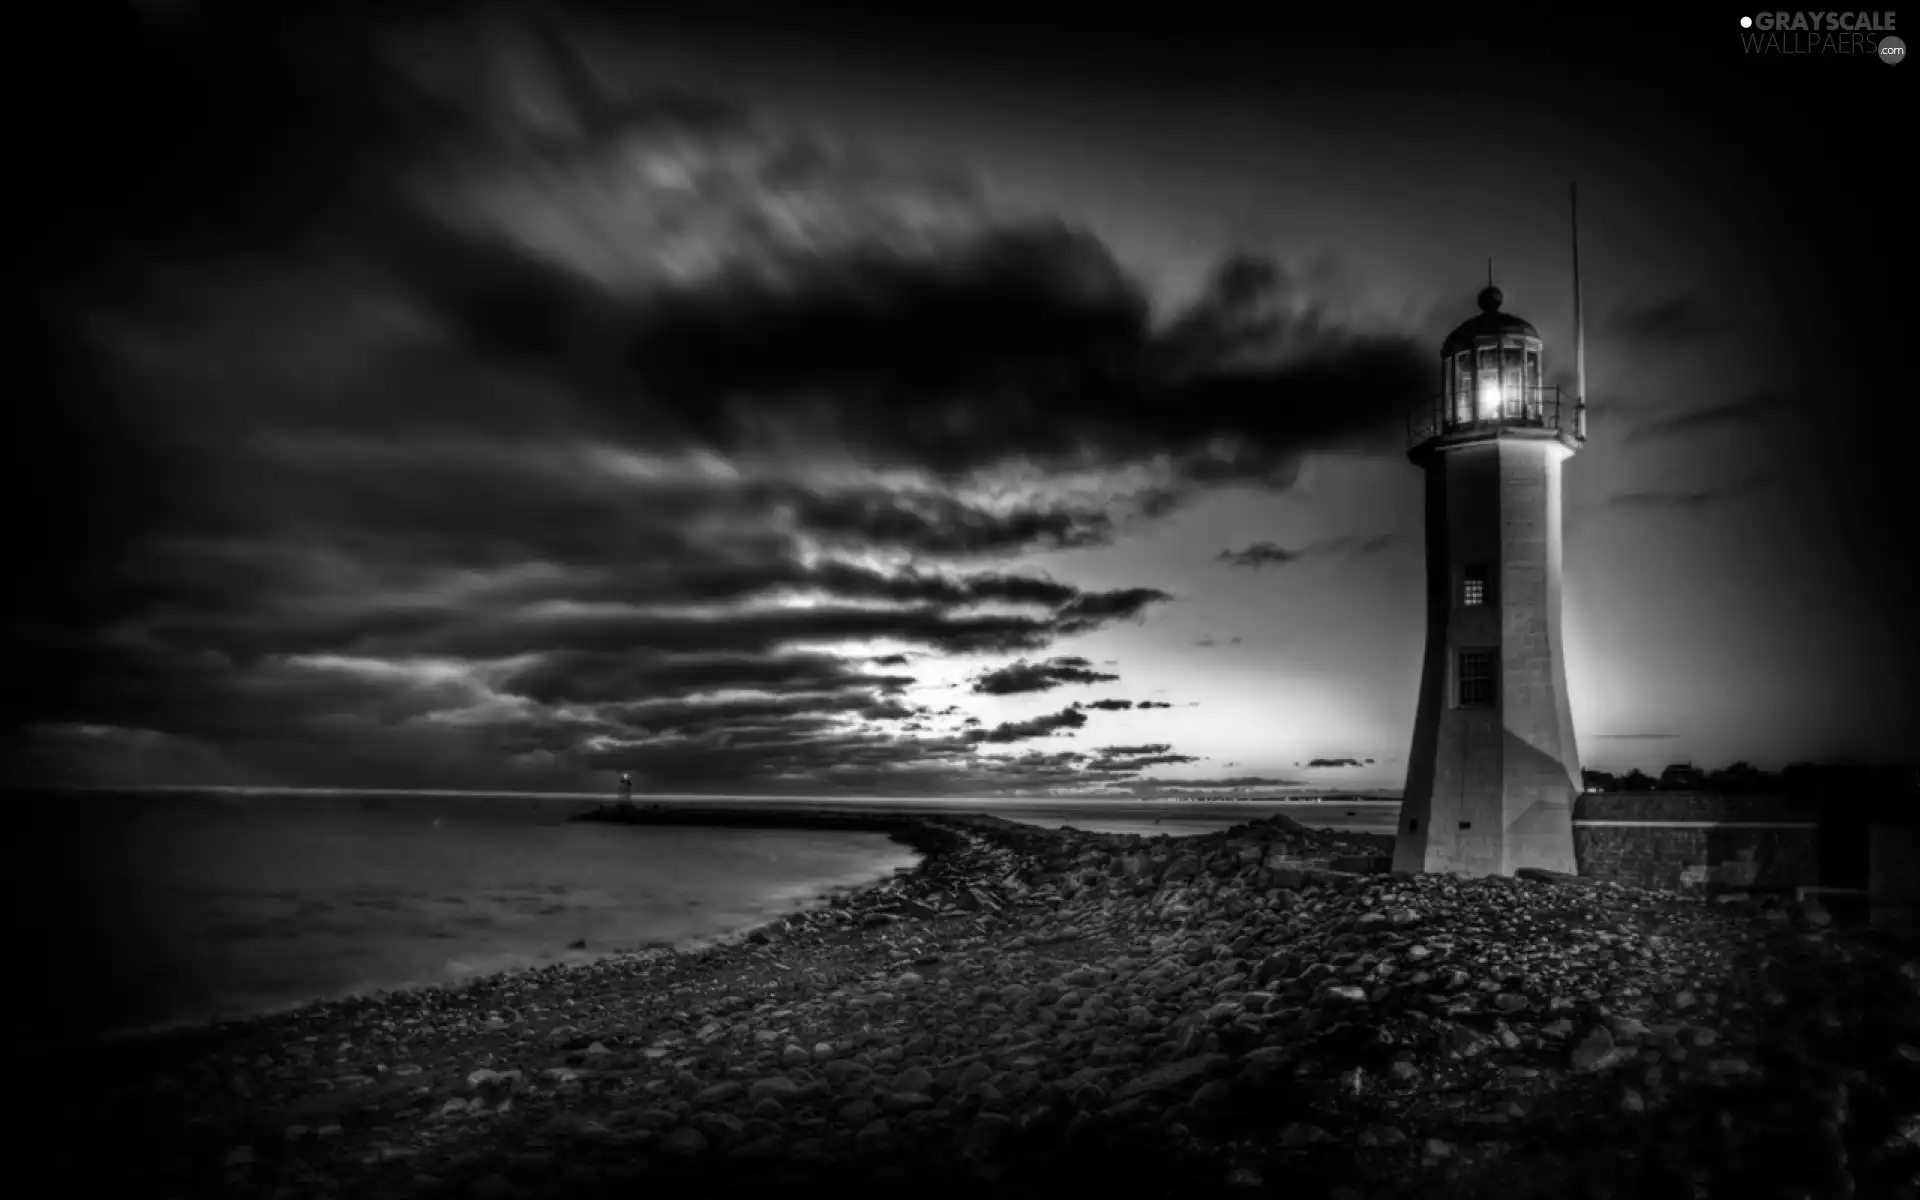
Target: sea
[(140, 911)]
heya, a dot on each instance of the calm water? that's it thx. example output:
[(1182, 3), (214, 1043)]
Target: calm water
[(139, 910)]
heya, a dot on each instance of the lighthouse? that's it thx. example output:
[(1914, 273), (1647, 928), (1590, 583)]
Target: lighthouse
[(1494, 771)]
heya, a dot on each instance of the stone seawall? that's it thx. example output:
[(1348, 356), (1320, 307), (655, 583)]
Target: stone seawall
[(1691, 806), (1662, 857), (1697, 840)]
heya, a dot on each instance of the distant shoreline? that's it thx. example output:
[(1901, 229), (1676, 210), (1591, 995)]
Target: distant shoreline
[(601, 797)]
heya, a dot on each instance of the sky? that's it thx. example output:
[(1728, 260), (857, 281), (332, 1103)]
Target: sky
[(506, 396)]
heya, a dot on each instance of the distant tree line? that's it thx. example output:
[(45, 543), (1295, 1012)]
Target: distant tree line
[(1876, 787)]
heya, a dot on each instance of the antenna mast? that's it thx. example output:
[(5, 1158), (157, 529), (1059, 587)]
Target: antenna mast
[(1579, 327)]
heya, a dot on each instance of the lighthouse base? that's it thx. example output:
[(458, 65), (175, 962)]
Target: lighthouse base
[(1489, 804)]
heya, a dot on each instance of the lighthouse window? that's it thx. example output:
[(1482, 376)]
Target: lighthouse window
[(1473, 586), (1476, 678)]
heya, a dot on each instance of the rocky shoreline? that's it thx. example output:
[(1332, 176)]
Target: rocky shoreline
[(1031, 1012)]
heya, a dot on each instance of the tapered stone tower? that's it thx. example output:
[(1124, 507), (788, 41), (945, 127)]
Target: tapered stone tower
[(1494, 770)]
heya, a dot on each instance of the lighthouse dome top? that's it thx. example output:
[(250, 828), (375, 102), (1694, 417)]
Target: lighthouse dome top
[(1489, 328)]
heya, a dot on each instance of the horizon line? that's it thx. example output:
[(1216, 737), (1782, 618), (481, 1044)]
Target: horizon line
[(264, 789)]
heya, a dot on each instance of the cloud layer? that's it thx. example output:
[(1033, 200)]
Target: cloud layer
[(1024, 676), (441, 416), (1268, 554)]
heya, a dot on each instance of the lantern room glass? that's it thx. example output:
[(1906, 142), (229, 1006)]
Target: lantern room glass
[(1494, 381)]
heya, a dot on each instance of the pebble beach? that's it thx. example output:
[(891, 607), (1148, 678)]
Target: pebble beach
[(1258, 1011)]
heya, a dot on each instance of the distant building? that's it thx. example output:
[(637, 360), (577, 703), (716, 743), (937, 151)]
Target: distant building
[(1679, 777)]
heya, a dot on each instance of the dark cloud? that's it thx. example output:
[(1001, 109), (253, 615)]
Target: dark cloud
[(598, 677), (1139, 758), (1023, 343), (1262, 554), (1025, 676), (1119, 705), (1036, 727), (1210, 640), (1666, 321), (1335, 762), (1143, 762), (931, 523), (1681, 499), (1744, 410), (398, 429)]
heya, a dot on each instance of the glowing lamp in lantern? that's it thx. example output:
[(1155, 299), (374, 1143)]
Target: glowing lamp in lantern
[(1490, 397)]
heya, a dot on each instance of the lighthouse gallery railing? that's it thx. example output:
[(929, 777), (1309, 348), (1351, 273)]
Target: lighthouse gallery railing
[(1544, 408)]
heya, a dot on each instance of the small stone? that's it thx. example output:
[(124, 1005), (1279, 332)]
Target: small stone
[(685, 1142), (1382, 1135), (1212, 1094), (1436, 1148), (1631, 1101), (914, 1079), (905, 1102), (1299, 1133), (1594, 1051), (776, 1087), (1626, 1029), (761, 1149)]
